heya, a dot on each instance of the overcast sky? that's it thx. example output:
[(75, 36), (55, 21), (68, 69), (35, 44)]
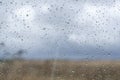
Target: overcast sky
[(74, 29)]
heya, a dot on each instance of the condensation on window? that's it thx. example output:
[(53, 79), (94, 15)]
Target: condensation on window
[(59, 39)]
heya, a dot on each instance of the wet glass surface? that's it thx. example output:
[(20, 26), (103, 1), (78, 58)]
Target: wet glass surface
[(59, 39)]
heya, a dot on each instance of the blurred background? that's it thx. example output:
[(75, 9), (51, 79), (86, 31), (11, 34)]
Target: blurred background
[(61, 29)]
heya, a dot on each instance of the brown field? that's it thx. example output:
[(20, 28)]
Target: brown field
[(59, 70)]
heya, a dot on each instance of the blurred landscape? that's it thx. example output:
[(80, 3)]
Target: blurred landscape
[(59, 70), (60, 40)]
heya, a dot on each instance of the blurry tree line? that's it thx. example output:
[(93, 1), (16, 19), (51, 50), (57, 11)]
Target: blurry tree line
[(5, 55)]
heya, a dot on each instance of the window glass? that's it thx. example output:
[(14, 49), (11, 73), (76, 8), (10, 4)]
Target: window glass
[(59, 39)]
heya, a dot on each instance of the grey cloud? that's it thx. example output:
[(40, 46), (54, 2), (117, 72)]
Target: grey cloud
[(54, 22)]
